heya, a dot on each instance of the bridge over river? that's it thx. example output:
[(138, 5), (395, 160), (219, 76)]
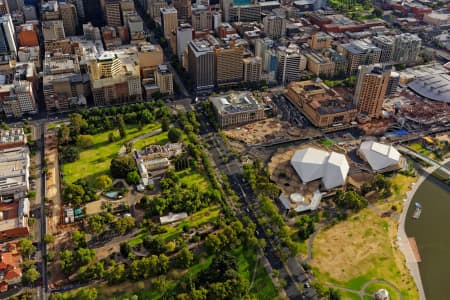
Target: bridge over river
[(411, 152)]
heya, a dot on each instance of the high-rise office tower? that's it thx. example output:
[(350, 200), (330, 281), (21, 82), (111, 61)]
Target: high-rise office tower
[(274, 26), (93, 12), (386, 44), (15, 4), (245, 13), (225, 5), (29, 12), (184, 36), (201, 64), (229, 65), (371, 86), (394, 81), (112, 13), (7, 36), (4, 9), (201, 18), (69, 18), (169, 21), (290, 63), (164, 79), (252, 69), (80, 8), (320, 40), (154, 8), (360, 53), (127, 9), (261, 46), (183, 8), (406, 48)]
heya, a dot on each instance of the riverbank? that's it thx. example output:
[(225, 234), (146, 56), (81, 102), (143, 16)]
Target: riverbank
[(402, 239)]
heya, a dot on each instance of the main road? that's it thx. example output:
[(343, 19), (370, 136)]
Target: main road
[(291, 272)]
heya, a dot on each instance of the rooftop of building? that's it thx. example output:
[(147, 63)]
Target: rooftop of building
[(435, 87), (14, 162), (60, 63), (360, 47), (168, 10), (235, 102), (163, 69), (201, 46), (12, 135), (320, 97), (385, 39), (318, 57)]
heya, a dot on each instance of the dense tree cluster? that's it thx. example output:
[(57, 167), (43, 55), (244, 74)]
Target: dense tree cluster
[(78, 193), (231, 236), (122, 165), (101, 119), (380, 184), (306, 226), (220, 281), (350, 200), (178, 197), (260, 181)]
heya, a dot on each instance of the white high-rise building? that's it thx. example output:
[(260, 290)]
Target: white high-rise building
[(7, 36), (406, 48), (290, 63), (184, 36)]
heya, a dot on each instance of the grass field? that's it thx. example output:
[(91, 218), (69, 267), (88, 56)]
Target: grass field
[(348, 295), (360, 249), (374, 287), (262, 288), (95, 160), (193, 179), (419, 148), (159, 139), (328, 142)]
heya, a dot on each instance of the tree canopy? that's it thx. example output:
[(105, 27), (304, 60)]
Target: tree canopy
[(122, 165)]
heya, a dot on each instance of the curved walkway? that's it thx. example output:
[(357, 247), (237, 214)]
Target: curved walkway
[(402, 238), (123, 149), (362, 292)]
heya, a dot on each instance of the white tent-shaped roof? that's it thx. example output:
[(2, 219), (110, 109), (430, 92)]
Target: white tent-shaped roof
[(309, 163), (312, 164), (379, 156), (336, 171)]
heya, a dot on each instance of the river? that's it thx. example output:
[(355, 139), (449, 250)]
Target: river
[(432, 235)]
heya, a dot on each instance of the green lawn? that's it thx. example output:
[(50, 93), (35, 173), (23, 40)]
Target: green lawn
[(374, 287), (159, 139), (95, 160), (419, 148), (348, 295), (328, 142), (262, 287), (193, 179), (362, 248)]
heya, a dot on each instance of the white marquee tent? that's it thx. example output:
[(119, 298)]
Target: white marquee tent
[(379, 156), (312, 164)]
